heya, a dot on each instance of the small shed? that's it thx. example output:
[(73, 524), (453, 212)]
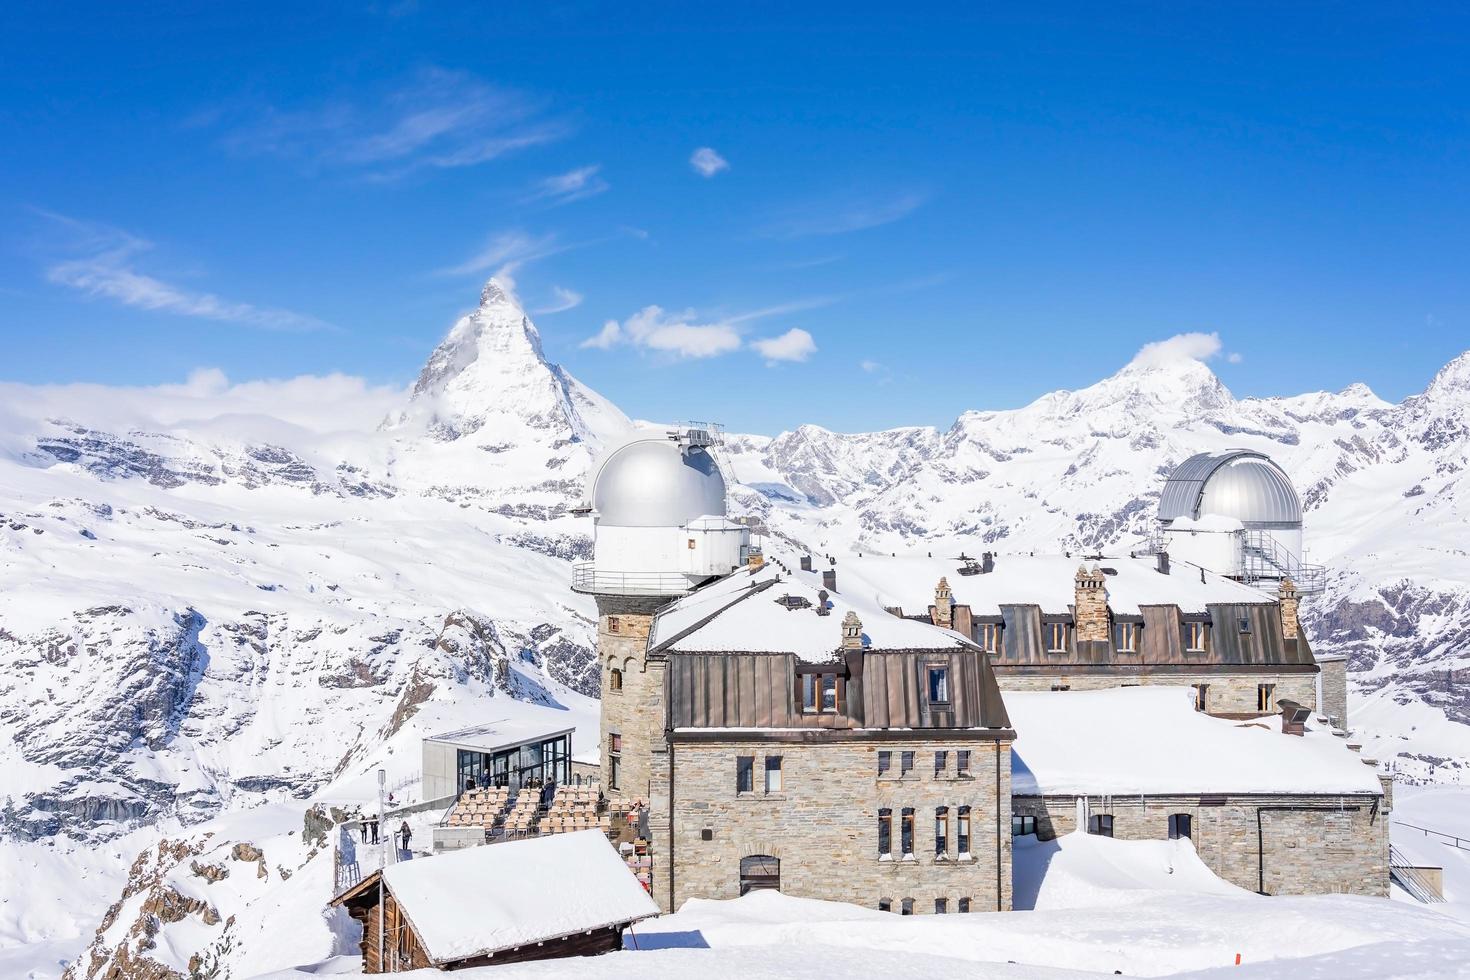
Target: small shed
[(534, 899)]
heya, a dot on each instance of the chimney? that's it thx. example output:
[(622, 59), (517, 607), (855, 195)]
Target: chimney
[(754, 559), (943, 604), (852, 631), (1090, 606), (806, 563), (1163, 557), (1288, 599), (987, 563), (1293, 718), (829, 579)]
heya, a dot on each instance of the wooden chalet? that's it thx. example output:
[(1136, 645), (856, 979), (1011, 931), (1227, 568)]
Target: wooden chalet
[(534, 899)]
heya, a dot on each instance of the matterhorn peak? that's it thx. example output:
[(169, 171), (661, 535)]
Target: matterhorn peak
[(494, 292)]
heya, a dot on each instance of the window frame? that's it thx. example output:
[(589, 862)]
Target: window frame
[(1181, 826), (744, 775), (907, 905), (964, 904), (941, 833), (1197, 637), (1265, 694), (1019, 823), (941, 762), (939, 672), (941, 906), (905, 762), (1244, 624), (989, 637), (778, 770), (961, 763), (1100, 824), (1060, 631), (615, 680), (962, 830), (885, 762), (906, 833), (885, 905), (1201, 697), (885, 832), (1126, 637)]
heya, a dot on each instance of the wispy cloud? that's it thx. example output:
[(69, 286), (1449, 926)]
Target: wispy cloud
[(841, 216), (439, 120), (563, 300), (104, 264), (793, 345), (689, 335), (870, 367), (504, 253), (706, 162), (574, 185)]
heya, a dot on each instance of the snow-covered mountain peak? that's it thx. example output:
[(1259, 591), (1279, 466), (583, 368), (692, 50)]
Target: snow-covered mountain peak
[(496, 338)]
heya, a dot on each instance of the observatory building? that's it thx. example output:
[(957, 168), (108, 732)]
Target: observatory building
[(1236, 514), (660, 530)]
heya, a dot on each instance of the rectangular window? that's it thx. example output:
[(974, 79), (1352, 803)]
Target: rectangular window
[(1179, 826), (906, 832), (938, 684), (808, 692), (1059, 686), (964, 905), (819, 693), (1127, 637), (941, 832), (907, 906), (614, 625), (744, 773), (885, 832), (773, 774), (941, 763), (962, 831), (1022, 826), (1056, 637), (905, 763), (1197, 637), (1100, 824), (829, 692), (1245, 626), (941, 906), (962, 762), (1265, 697), (989, 635), (885, 905), (1201, 696), (614, 768), (885, 761), (614, 742)]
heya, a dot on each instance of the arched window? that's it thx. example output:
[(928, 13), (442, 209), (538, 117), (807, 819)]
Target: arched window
[(965, 904), (885, 905), (1181, 825), (615, 680), (758, 871), (908, 907)]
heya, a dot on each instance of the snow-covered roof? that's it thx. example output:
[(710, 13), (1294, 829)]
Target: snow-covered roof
[(1131, 740), (502, 734), (1048, 581), (743, 612), (482, 899)]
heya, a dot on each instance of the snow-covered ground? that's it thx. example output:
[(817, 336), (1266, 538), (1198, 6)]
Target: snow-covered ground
[(1142, 908)]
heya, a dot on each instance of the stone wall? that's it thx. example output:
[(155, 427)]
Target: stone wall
[(1322, 845), (1229, 694), (823, 824), (1334, 690), (636, 710)]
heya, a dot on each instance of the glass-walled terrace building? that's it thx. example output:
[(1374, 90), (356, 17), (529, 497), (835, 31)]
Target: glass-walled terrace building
[(503, 753)]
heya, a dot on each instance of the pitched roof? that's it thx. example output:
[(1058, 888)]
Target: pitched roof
[(744, 613), (481, 900)]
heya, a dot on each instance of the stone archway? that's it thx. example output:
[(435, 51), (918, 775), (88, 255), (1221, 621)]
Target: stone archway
[(758, 872)]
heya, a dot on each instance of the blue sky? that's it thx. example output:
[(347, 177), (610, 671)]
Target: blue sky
[(901, 216)]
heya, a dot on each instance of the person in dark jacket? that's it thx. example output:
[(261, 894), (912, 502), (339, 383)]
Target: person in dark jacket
[(406, 834)]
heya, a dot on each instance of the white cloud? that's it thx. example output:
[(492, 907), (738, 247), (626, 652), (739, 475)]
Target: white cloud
[(1234, 357), (439, 120), (838, 217), (565, 299), (574, 185), (793, 345), (871, 367), (651, 328), (1180, 347), (505, 253), (607, 338), (109, 270), (706, 162)]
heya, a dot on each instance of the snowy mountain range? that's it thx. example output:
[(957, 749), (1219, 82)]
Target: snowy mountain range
[(214, 597)]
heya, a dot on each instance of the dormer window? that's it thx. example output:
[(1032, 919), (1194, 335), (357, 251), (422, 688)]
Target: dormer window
[(1127, 634), (989, 636), (1245, 626), (1196, 637), (819, 693), (1056, 637), (938, 684)]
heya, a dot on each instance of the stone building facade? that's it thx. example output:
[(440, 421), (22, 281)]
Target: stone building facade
[(632, 717)]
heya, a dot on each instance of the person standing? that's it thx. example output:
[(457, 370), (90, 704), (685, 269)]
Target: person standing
[(407, 835)]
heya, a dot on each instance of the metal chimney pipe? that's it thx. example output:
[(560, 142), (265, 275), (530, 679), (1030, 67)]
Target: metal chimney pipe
[(829, 579)]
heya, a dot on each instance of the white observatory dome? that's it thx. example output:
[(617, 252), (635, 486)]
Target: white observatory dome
[(1238, 484), (653, 481)]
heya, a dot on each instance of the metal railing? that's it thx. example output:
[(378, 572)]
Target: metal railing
[(353, 860), (1262, 558), (1411, 879), (587, 578), (1449, 839)]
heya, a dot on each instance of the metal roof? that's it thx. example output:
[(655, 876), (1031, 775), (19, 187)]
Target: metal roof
[(1238, 483), (652, 481)]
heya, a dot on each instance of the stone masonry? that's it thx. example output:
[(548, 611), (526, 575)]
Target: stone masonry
[(1229, 694), (823, 824), (1334, 689), (1090, 605), (1306, 845), (634, 711)]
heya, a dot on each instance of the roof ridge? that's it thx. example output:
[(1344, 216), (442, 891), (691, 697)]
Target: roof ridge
[(701, 624)]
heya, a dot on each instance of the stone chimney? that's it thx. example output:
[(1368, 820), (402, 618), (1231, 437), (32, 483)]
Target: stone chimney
[(1289, 600), (943, 604), (829, 579), (1090, 608), (852, 631), (754, 559)]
